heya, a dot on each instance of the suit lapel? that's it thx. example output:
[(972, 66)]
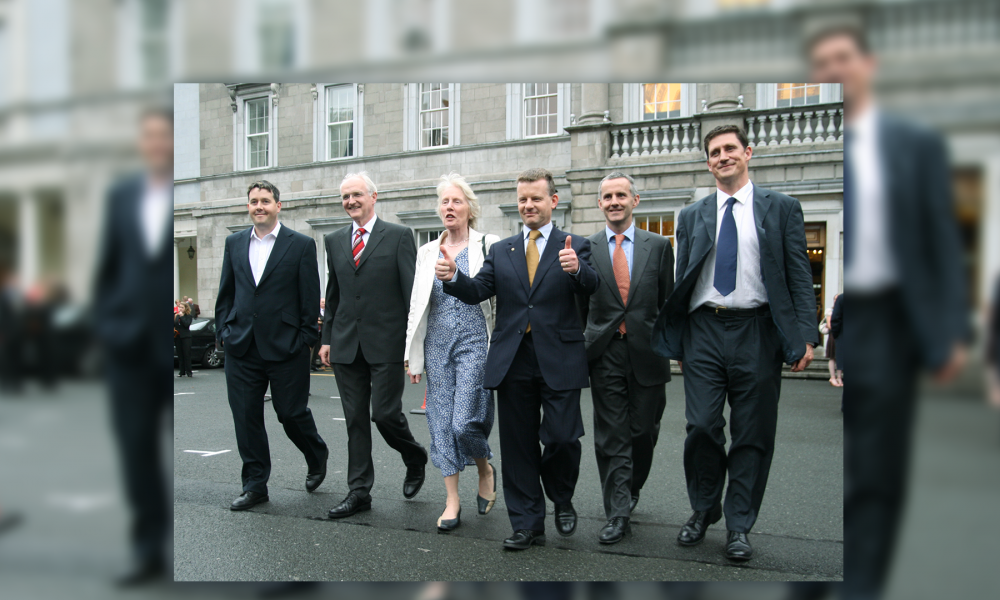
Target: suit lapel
[(605, 268), (515, 252), (281, 245), (374, 238), (346, 241), (242, 257), (640, 255), (761, 204), (555, 243), (702, 244)]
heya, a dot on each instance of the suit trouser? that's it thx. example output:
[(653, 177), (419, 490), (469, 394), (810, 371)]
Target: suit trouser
[(377, 388), (626, 426), (521, 398), (247, 379), (184, 354), (141, 392), (738, 358), (879, 404)]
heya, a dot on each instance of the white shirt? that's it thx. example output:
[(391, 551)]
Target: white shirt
[(155, 210), (873, 267), (545, 230), (260, 250), (750, 291), (627, 245), (364, 236)]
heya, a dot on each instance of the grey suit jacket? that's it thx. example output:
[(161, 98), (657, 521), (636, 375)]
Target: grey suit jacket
[(651, 283), (784, 266), (368, 304)]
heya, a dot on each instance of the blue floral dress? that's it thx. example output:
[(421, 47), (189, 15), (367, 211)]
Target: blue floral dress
[(459, 409)]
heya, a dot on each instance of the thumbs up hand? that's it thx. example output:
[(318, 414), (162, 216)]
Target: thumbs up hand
[(568, 259), (444, 268)]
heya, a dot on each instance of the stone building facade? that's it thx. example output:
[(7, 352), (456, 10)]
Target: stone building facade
[(305, 137)]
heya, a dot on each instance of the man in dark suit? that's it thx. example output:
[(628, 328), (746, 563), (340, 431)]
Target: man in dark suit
[(743, 305), (133, 284), (906, 297), (371, 265), (537, 360), (636, 269), (266, 311)]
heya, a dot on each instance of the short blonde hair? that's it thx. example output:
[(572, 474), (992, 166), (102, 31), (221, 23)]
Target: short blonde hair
[(372, 190), (458, 181)]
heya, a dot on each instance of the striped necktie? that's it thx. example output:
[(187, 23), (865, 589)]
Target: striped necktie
[(359, 245)]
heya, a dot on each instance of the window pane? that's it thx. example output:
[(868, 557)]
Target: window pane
[(654, 225)]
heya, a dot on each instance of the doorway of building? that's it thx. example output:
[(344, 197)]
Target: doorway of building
[(816, 248)]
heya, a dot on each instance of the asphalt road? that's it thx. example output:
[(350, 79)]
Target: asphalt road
[(798, 536)]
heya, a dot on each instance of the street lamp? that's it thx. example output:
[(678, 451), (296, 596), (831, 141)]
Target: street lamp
[(191, 252)]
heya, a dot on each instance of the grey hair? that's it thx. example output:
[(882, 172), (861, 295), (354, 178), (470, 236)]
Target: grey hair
[(372, 190), (458, 181), (618, 175)]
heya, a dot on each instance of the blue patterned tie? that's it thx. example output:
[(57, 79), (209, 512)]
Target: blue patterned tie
[(725, 253)]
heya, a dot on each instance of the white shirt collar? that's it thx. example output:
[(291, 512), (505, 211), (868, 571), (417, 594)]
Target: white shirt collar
[(743, 195), (274, 232), (544, 229), (368, 226), (629, 233), (863, 125)]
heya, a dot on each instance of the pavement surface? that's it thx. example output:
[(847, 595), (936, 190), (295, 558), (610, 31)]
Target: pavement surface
[(797, 537)]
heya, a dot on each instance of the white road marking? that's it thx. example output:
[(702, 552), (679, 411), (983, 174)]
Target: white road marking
[(337, 419), (207, 452), (80, 502), (184, 394), (337, 397)]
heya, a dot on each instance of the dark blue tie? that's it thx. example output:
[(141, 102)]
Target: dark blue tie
[(725, 252)]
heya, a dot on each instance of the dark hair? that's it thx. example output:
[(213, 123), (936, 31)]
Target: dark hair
[(723, 129), (536, 175), (843, 29), (265, 185)]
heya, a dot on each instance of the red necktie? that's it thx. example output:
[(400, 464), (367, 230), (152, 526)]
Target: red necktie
[(359, 245), (620, 267)]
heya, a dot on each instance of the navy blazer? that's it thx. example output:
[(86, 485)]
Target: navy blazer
[(278, 314), (784, 265), (549, 304)]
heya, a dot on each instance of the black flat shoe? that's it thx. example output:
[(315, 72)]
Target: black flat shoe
[(248, 500), (486, 504), (351, 504), (448, 525), (693, 532), (523, 539), (614, 531), (565, 519), (315, 478), (738, 547)]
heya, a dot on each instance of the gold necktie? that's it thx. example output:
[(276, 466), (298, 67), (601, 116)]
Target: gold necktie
[(531, 254)]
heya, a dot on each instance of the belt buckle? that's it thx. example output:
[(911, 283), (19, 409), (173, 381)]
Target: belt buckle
[(718, 308)]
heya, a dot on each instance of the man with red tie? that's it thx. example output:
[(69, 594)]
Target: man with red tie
[(371, 264)]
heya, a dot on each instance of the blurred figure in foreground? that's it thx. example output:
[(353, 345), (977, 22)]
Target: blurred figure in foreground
[(907, 304), (826, 328), (133, 281), (993, 348)]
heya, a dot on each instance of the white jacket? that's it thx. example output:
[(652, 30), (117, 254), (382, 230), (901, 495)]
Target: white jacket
[(423, 283)]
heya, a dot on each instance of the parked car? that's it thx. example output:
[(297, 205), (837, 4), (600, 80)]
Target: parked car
[(203, 344)]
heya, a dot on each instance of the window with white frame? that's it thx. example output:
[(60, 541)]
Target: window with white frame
[(340, 102), (435, 103), (271, 35), (650, 101), (790, 95), (797, 94), (427, 235), (144, 33), (661, 223), (258, 133), (541, 109)]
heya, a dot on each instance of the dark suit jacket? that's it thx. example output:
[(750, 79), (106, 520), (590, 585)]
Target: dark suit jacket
[(837, 329), (651, 283), (784, 266), (278, 314), (549, 304), (133, 288), (368, 304), (182, 323), (924, 236)]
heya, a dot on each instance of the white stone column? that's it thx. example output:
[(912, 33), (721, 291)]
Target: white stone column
[(593, 102), (177, 272), (28, 246)]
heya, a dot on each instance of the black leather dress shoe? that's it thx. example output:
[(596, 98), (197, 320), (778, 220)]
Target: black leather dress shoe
[(351, 504), (523, 539), (248, 500), (141, 573), (414, 480), (614, 531), (694, 530), (314, 478), (633, 502), (738, 546), (565, 519)]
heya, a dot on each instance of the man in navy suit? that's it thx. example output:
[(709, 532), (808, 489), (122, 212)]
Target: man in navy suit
[(537, 360), (743, 305), (266, 313)]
